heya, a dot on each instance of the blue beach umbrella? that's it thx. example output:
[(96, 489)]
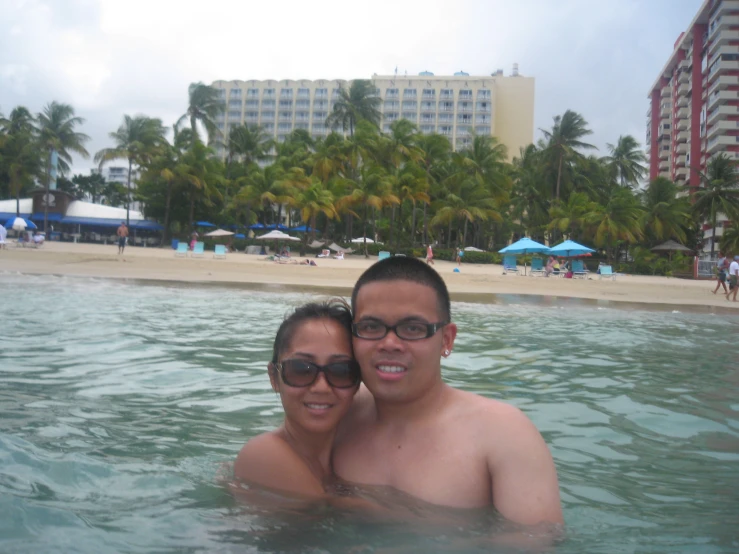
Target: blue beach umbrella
[(204, 224), (569, 248), (524, 246), (239, 236), (301, 229), (257, 227), (19, 224)]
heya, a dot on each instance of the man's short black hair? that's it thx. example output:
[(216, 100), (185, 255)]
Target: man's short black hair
[(404, 268)]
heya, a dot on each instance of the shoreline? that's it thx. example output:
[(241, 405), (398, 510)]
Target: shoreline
[(474, 283)]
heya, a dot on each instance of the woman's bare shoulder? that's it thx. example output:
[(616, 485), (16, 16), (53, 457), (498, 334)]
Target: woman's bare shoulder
[(269, 461)]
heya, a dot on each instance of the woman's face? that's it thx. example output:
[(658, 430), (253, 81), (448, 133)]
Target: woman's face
[(319, 407)]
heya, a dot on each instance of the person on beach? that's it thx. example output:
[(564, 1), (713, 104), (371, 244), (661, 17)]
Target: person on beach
[(460, 255), (122, 233), (549, 269), (733, 279), (193, 240), (3, 236), (429, 255), (314, 372), (409, 430), (721, 268)]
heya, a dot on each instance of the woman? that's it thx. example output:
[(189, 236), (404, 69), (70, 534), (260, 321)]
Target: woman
[(314, 372)]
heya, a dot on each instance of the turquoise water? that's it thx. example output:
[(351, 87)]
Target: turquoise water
[(120, 401)]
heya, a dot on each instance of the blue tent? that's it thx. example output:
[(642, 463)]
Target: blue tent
[(257, 227), (569, 248), (239, 236), (279, 227), (39, 216), (301, 229), (524, 246), (204, 224)]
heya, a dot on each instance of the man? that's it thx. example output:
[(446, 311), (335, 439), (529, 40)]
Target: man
[(733, 278), (721, 267), (419, 435), (122, 233)]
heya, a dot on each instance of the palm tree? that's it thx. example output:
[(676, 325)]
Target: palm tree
[(618, 219), (564, 140), (718, 193), (529, 200), (436, 149), (313, 200), (137, 140), (626, 160), (204, 105), (20, 159), (666, 215), (251, 144), (569, 218), (203, 174), (56, 134), (411, 185), (360, 102)]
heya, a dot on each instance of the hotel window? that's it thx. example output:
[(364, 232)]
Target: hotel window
[(252, 116), (392, 116), (386, 128), (463, 131), (302, 116), (465, 94), (320, 127), (304, 126), (321, 93), (335, 93), (286, 116), (428, 117), (427, 129), (483, 107), (392, 105), (484, 130), (410, 116), (286, 104), (428, 106), (464, 106), (282, 127), (446, 106), (234, 103), (484, 93), (464, 118), (235, 92), (303, 93), (234, 115), (482, 119), (268, 115), (446, 117), (410, 105), (268, 93), (410, 92), (322, 104), (252, 93), (429, 93), (268, 103), (302, 104), (319, 116), (222, 93), (268, 127), (446, 93), (445, 129), (286, 93), (391, 93), (252, 103)]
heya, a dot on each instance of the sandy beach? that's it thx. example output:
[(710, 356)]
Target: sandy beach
[(474, 283)]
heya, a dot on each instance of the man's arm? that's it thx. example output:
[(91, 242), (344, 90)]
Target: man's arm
[(524, 480)]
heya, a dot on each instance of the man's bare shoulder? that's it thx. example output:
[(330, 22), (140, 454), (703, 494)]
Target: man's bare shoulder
[(269, 461)]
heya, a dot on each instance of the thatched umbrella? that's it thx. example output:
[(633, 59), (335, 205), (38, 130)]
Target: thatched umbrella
[(671, 246)]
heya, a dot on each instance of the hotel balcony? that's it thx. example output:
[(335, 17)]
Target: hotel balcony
[(682, 113), (682, 124), (682, 148), (684, 76), (721, 68), (720, 142), (681, 172), (730, 155), (721, 112), (684, 64), (722, 126), (708, 233), (684, 88), (723, 82), (665, 109), (682, 101), (680, 161), (664, 165), (665, 92), (720, 97), (683, 136)]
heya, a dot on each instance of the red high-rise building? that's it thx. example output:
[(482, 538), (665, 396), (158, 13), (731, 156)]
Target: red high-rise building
[(694, 103)]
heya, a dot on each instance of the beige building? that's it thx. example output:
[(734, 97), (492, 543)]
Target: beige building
[(457, 106)]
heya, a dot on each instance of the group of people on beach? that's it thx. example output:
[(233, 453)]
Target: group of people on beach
[(727, 269), (365, 403)]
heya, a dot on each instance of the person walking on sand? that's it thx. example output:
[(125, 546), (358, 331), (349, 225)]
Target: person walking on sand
[(460, 255), (122, 233), (733, 278), (721, 268), (429, 255)]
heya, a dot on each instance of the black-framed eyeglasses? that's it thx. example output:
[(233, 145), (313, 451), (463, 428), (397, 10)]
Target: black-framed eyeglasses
[(302, 373), (372, 329)]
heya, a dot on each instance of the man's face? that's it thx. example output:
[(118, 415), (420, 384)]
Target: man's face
[(393, 369)]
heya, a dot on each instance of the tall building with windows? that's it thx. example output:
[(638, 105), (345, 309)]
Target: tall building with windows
[(456, 106), (694, 102)]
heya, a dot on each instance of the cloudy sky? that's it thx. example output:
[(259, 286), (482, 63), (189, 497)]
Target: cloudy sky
[(113, 57)]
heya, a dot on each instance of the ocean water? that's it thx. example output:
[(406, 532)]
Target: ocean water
[(120, 402)]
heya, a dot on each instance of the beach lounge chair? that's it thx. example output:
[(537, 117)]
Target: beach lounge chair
[(537, 267), (607, 271), (382, 255), (325, 253), (181, 250), (509, 265), (579, 269), (220, 251), (199, 250)]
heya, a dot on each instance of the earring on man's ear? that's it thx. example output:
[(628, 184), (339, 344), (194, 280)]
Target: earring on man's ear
[(447, 352)]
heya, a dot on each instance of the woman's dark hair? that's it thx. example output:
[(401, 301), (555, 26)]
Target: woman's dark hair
[(335, 309)]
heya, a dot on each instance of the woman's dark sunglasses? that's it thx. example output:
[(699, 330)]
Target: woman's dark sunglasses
[(301, 373)]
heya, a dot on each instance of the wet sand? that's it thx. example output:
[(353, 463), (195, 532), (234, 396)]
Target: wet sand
[(474, 283)]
